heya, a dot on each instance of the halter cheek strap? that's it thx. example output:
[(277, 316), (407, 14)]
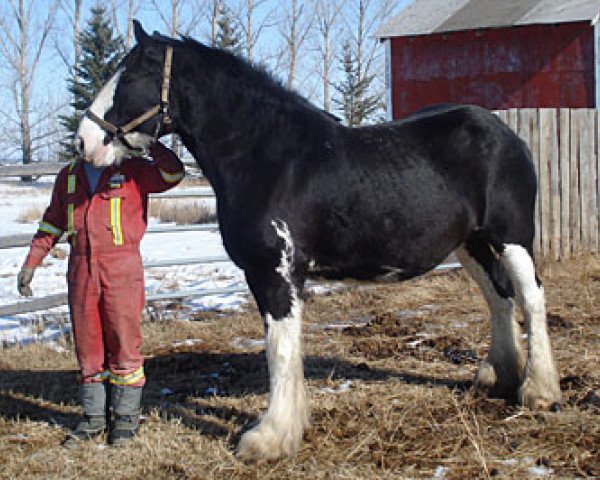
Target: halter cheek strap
[(162, 108)]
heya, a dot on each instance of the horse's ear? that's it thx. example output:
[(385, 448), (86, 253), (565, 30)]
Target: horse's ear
[(140, 35)]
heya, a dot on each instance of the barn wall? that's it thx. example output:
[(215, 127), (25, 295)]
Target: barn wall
[(516, 67)]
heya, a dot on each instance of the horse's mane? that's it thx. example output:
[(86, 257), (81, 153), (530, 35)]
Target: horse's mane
[(253, 75)]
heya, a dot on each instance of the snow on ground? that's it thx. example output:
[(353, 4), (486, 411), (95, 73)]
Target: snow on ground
[(50, 277)]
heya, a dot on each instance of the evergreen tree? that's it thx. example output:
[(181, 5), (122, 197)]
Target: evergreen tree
[(228, 38), (101, 52), (355, 102)]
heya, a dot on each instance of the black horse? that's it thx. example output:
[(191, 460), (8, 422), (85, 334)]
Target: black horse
[(298, 193)]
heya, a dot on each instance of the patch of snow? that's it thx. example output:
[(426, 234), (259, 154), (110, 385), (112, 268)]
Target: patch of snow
[(532, 468), (419, 312), (440, 472), (189, 342), (56, 347), (340, 389), (509, 461), (540, 471), (242, 343), (211, 391), (320, 289)]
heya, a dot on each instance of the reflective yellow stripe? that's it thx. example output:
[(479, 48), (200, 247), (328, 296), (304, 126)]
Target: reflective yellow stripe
[(102, 375), (72, 165), (70, 219), (115, 220), (128, 379), (49, 228), (171, 177), (71, 183)]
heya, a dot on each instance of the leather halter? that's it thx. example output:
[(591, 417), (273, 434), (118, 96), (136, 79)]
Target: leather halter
[(161, 108)]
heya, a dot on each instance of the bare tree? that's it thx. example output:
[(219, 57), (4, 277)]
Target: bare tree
[(213, 19), (178, 9), (132, 10), (22, 43), (251, 30), (366, 16), (326, 14), (72, 10), (294, 28)]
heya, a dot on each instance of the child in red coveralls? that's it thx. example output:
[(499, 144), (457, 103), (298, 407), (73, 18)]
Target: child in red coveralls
[(103, 211)]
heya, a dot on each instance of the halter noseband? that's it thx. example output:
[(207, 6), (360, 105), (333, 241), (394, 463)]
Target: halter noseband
[(161, 108)]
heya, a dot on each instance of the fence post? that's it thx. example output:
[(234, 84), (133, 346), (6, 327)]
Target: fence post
[(564, 166), (585, 174), (590, 180), (532, 118), (574, 205), (597, 167), (512, 118), (554, 187), (545, 145)]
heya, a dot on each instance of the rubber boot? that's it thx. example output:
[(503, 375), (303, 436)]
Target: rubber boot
[(126, 409), (93, 423)]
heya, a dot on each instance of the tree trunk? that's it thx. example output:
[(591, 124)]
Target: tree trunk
[(24, 92), (76, 39)]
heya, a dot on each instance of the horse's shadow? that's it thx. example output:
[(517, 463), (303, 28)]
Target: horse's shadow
[(184, 386)]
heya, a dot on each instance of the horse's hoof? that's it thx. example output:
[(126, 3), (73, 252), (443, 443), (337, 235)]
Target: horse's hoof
[(485, 378), (265, 443), (538, 398)]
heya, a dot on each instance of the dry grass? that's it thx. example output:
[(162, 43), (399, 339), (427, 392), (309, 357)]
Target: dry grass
[(410, 411), (31, 214), (181, 213)]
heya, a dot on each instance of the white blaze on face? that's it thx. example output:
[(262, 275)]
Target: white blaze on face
[(94, 150)]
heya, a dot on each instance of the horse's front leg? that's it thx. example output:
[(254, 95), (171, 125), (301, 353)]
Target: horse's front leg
[(281, 428)]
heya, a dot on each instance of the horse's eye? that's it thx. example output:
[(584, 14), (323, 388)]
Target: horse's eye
[(107, 139)]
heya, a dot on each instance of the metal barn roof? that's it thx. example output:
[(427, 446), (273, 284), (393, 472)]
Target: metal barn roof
[(423, 17)]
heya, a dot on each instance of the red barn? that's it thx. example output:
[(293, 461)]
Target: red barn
[(495, 53)]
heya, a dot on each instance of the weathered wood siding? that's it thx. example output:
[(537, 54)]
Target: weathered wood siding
[(565, 144)]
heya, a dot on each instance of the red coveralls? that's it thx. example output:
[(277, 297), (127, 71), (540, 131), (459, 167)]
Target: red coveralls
[(105, 275)]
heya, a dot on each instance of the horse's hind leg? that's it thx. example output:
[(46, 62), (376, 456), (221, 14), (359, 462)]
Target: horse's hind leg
[(541, 387), (502, 372), (281, 428)]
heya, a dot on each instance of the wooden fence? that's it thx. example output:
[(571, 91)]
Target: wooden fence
[(565, 144)]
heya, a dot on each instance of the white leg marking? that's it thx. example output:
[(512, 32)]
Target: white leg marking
[(541, 387), (281, 428), (503, 369)]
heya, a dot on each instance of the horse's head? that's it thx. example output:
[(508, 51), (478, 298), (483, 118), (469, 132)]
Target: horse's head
[(132, 109)]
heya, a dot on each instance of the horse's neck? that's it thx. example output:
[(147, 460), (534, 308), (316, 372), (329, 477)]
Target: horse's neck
[(218, 132), (224, 132)]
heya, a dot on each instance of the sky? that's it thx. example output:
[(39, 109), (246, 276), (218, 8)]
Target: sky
[(49, 86)]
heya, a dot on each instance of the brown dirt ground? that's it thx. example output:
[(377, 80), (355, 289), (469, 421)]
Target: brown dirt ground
[(409, 350)]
